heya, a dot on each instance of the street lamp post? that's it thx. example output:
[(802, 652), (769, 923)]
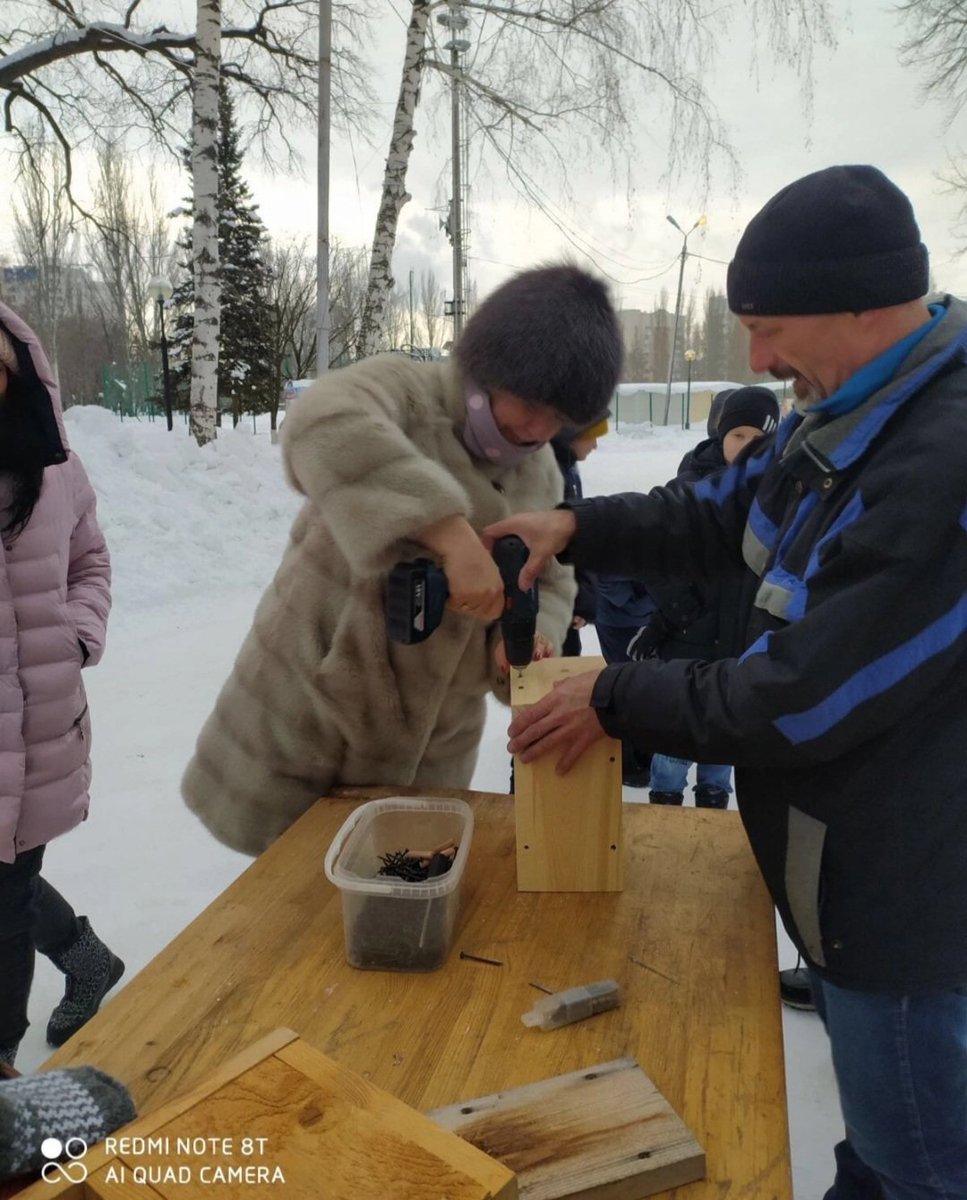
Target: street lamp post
[(159, 290), (690, 357), (678, 304)]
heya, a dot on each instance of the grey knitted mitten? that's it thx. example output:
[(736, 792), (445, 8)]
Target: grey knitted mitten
[(72, 1102)]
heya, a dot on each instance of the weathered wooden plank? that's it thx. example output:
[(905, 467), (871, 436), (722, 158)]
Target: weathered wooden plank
[(602, 1133)]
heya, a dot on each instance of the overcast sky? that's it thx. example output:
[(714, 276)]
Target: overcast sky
[(866, 108)]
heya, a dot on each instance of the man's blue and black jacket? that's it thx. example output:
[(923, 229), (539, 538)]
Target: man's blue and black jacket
[(846, 716)]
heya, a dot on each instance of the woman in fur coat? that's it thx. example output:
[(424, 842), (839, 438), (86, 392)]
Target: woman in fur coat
[(55, 594), (396, 460)]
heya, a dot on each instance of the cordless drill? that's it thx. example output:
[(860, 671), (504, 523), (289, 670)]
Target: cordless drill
[(416, 595)]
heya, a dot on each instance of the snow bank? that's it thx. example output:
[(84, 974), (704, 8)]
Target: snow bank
[(181, 520)]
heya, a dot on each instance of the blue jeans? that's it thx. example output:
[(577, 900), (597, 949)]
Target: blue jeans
[(671, 774), (901, 1068)]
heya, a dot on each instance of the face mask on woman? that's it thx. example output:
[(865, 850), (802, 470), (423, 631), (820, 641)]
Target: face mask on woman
[(483, 437)]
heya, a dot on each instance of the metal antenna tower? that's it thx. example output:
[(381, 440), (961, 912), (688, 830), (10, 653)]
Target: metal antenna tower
[(456, 22)]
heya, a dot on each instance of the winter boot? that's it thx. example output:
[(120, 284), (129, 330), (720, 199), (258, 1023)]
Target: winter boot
[(709, 796), (666, 797), (91, 970), (635, 767), (636, 779), (795, 989)]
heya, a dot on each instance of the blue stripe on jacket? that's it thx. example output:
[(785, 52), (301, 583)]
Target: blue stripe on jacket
[(764, 528), (876, 677), (877, 374), (759, 646), (851, 512), (777, 573), (723, 486)]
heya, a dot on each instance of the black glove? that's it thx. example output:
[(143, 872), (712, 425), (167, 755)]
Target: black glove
[(646, 640)]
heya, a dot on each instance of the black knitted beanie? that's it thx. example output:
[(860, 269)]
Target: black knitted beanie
[(840, 240), (754, 405), (551, 337)]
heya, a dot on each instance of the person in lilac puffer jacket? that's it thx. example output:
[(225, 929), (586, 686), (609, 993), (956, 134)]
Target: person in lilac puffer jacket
[(55, 595)]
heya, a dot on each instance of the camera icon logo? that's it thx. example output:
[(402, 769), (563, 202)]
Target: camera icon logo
[(73, 1171)]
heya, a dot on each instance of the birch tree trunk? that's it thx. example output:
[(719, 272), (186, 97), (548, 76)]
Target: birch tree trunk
[(204, 233), (552, 83), (395, 194)]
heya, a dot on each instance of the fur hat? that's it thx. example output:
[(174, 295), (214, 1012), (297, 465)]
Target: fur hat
[(549, 336), (755, 406), (8, 355), (840, 240)]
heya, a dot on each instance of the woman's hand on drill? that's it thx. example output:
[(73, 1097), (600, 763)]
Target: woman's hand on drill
[(473, 580)]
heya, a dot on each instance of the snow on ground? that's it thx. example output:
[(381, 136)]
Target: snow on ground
[(195, 535)]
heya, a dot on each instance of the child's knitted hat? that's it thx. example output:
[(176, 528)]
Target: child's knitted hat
[(756, 406)]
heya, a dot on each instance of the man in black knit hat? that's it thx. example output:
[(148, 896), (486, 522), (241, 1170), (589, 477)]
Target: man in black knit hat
[(846, 713)]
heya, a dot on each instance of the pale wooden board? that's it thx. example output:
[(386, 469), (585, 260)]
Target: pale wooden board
[(602, 1133), (329, 1131), (568, 827)]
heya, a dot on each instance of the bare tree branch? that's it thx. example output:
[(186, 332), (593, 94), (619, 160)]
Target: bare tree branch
[(545, 77), (270, 49), (937, 48)]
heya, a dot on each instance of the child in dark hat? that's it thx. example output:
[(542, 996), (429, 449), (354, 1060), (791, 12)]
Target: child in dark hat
[(746, 414), (688, 621), (570, 448), (737, 417)]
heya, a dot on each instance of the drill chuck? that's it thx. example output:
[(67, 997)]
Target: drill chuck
[(519, 620)]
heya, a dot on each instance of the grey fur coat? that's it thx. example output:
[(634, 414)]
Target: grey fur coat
[(318, 695)]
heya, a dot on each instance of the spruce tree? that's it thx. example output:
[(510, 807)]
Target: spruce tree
[(245, 375)]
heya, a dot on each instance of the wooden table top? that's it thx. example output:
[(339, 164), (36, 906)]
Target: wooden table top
[(691, 941)]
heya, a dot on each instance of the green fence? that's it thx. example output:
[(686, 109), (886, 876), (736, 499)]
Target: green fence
[(132, 391), (637, 406)]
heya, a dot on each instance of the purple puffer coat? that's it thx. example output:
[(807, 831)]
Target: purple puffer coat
[(55, 595)]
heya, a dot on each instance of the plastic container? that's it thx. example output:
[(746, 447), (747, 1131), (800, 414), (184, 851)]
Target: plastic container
[(389, 924)]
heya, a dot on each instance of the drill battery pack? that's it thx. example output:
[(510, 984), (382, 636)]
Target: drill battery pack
[(416, 595)]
